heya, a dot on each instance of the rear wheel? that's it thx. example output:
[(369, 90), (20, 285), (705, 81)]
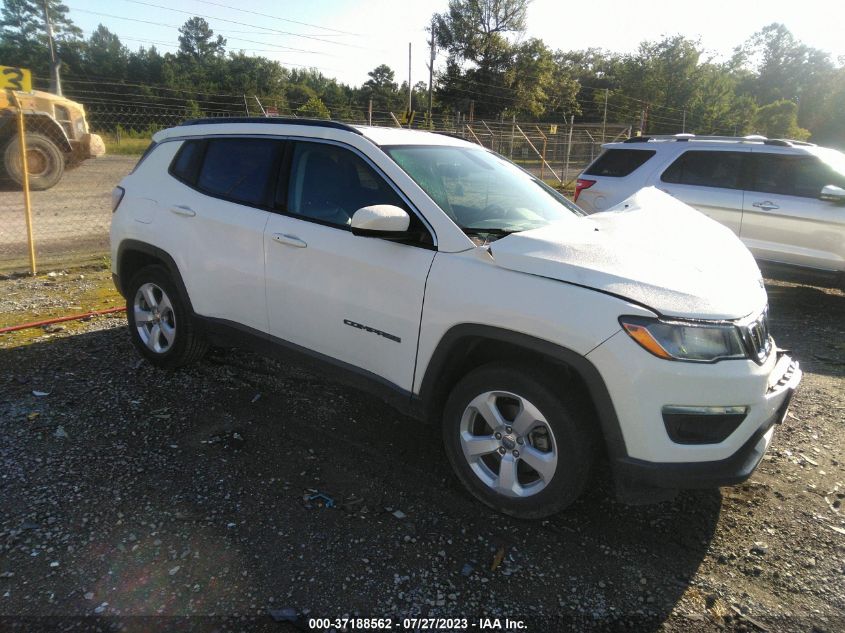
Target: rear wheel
[(160, 323), (519, 443), (45, 161)]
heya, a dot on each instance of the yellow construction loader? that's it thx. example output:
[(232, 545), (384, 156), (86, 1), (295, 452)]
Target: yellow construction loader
[(57, 137)]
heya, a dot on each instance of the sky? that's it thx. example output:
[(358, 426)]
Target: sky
[(346, 39)]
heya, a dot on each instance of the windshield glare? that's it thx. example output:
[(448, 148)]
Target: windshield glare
[(832, 158), (481, 190)]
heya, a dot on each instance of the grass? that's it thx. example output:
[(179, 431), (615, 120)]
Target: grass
[(58, 296), (126, 146)]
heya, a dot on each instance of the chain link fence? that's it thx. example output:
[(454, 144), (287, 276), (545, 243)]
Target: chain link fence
[(71, 192)]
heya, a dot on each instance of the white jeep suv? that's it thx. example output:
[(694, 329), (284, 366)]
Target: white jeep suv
[(463, 290), (784, 199)]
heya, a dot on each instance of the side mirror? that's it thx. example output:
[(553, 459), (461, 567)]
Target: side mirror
[(832, 193), (381, 220)]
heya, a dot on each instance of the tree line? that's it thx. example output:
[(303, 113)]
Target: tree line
[(773, 84)]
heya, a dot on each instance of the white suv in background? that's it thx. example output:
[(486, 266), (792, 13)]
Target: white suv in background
[(784, 199), (464, 291)]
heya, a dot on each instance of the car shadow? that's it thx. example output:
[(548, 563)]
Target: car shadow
[(809, 321), (240, 484)]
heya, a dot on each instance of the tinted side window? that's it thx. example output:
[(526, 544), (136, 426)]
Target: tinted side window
[(786, 175), (707, 169), (619, 162), (329, 184), (239, 169), (186, 163)]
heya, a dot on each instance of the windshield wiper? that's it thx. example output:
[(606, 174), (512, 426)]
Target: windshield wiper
[(477, 231)]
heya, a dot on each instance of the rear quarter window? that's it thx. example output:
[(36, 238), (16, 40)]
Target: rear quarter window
[(186, 163), (144, 156), (617, 163)]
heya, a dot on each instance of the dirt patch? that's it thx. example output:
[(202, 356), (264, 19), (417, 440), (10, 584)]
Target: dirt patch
[(130, 491)]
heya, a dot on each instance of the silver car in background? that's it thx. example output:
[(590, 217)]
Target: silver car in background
[(784, 199)]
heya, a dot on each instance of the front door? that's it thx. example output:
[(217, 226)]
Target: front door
[(783, 218), (354, 299)]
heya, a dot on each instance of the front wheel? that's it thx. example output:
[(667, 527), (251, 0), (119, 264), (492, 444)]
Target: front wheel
[(45, 161), (160, 323), (520, 443)]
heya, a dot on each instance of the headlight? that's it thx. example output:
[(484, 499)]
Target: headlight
[(678, 340)]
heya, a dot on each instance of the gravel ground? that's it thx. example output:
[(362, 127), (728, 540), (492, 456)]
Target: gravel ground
[(129, 491)]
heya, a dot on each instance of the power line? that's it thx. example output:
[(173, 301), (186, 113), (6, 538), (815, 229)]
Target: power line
[(282, 49), (274, 17), (255, 26)]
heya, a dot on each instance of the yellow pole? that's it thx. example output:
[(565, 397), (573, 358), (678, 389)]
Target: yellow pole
[(25, 171)]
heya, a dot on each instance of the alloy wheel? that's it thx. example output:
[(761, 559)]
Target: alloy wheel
[(155, 320), (508, 444)]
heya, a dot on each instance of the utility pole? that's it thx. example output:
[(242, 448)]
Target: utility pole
[(565, 174), (604, 118), (410, 88), (513, 131), (432, 55), (471, 110), (684, 124), (370, 112), (55, 64)]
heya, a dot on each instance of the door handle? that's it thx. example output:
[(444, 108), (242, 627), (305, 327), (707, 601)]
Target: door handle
[(766, 205), (290, 240), (183, 210)]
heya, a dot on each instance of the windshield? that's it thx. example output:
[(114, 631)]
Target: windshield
[(481, 191), (833, 159)]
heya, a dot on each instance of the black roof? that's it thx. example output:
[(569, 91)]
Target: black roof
[(273, 121)]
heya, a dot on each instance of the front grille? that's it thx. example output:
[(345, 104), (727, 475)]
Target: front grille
[(755, 336)]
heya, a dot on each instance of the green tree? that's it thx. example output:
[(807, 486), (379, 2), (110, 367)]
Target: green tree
[(660, 78), (314, 108), (382, 89), (475, 30), (104, 55), (779, 119), (23, 33), (830, 129), (783, 67), (537, 85), (475, 35), (196, 40)]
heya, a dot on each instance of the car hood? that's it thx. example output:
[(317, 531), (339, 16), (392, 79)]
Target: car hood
[(651, 249)]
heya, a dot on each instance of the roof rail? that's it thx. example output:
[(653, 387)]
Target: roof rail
[(684, 137), (273, 120), (751, 138), (793, 142)]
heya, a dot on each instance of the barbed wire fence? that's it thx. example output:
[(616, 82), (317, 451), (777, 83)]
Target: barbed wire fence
[(70, 219)]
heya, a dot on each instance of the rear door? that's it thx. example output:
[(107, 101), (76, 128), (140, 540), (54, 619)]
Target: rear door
[(710, 181), (357, 300), (783, 218), (216, 217)]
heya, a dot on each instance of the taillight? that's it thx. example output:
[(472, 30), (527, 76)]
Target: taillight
[(116, 197), (581, 184)]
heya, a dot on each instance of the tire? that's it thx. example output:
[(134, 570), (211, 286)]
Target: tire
[(46, 161), (160, 323), (562, 444)]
